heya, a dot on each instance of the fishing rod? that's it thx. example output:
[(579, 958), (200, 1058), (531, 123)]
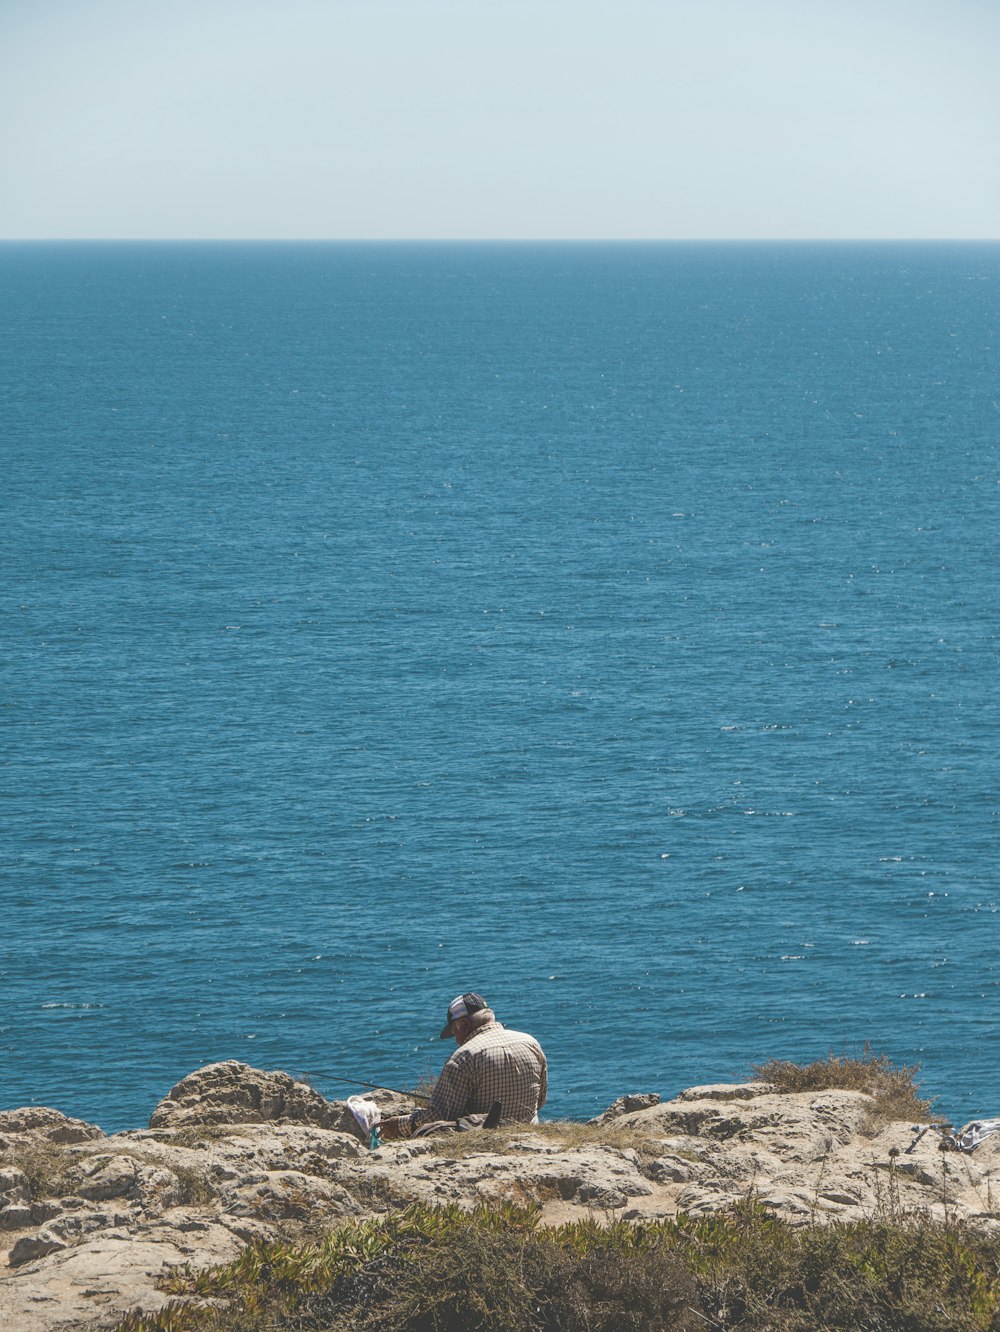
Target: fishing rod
[(377, 1086)]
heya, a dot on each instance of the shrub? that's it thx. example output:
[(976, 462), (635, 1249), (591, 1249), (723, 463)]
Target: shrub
[(497, 1270), (895, 1091)]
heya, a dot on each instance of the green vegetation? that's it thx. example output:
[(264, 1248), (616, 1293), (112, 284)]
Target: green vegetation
[(895, 1091), (498, 1270)]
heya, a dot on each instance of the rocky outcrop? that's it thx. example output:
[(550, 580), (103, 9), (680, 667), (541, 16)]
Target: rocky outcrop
[(39, 1124), (235, 1093), (88, 1223)]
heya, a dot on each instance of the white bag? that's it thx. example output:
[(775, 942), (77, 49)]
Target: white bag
[(369, 1116)]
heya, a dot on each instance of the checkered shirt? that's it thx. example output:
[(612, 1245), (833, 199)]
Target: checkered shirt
[(493, 1065)]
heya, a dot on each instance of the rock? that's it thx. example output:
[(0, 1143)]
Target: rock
[(108, 1177), (32, 1247), (840, 1198), (670, 1170), (625, 1105), (45, 1124), (284, 1195), (705, 1201), (235, 1093), (237, 1155), (726, 1091), (14, 1186), (73, 1226), (593, 1195), (253, 1149), (15, 1217), (122, 1176), (801, 1127), (104, 1276)]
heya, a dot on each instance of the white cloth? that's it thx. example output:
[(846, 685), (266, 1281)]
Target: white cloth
[(365, 1112), (975, 1132)]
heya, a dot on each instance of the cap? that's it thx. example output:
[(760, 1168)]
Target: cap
[(464, 1006)]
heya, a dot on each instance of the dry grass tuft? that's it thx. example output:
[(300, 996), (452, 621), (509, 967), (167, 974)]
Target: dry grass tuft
[(51, 1167), (895, 1092)]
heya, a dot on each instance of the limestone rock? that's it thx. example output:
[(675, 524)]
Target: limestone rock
[(14, 1187), (288, 1195), (237, 1155), (801, 1126), (107, 1274), (243, 1150), (30, 1247), (21, 1216), (235, 1093), (122, 1176), (43, 1124), (601, 1178), (16, 1216), (625, 1105), (726, 1091), (670, 1169)]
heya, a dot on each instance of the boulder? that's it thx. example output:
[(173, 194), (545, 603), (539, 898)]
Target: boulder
[(726, 1091), (800, 1127), (235, 1093), (99, 1278), (626, 1105), (43, 1124)]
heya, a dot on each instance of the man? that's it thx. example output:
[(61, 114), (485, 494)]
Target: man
[(492, 1064)]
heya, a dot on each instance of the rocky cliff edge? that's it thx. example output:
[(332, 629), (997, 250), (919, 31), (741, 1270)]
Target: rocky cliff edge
[(89, 1222)]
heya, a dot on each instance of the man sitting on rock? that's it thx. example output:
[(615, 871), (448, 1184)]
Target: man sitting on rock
[(496, 1076)]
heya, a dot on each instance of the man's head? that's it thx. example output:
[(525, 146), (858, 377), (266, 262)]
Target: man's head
[(461, 1011)]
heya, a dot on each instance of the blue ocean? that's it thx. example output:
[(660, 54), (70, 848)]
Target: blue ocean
[(612, 629)]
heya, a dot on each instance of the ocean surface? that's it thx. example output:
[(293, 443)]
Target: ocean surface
[(612, 629)]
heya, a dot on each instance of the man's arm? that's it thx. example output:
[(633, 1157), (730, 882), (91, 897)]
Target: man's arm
[(543, 1081), (450, 1097)]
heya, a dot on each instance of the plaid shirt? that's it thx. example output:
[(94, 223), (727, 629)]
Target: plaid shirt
[(493, 1065)]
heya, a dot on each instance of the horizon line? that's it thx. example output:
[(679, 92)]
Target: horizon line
[(499, 240)]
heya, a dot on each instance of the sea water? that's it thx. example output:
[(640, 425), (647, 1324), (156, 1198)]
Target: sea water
[(611, 629)]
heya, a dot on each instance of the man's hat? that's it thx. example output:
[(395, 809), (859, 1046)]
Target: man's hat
[(464, 1006)]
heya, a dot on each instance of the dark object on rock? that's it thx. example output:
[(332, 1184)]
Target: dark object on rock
[(465, 1124)]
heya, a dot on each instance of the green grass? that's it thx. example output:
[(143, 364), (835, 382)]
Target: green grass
[(498, 1270)]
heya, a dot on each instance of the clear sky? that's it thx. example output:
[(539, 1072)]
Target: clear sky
[(500, 118)]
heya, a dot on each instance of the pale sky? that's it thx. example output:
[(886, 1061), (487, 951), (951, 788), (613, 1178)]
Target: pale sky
[(520, 119)]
